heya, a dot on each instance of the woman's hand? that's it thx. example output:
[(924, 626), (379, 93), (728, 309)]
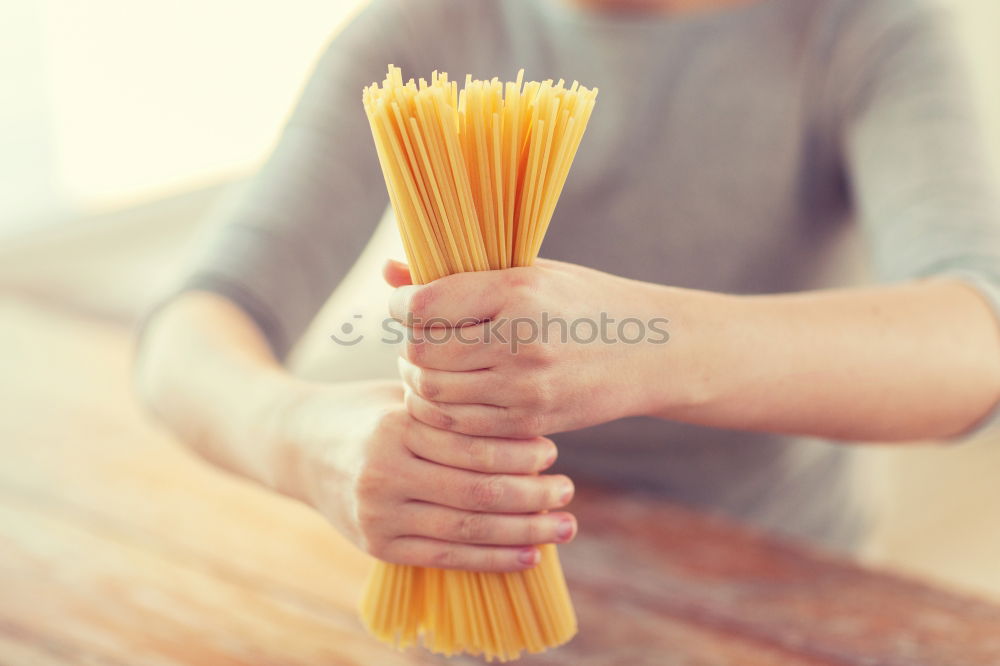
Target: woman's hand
[(411, 494), (524, 352), (849, 364)]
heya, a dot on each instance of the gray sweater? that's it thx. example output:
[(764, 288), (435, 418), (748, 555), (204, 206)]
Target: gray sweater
[(780, 146)]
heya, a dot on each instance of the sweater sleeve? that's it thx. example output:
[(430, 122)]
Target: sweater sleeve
[(280, 247), (915, 152)]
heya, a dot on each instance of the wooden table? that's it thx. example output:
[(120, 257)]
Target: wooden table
[(118, 548)]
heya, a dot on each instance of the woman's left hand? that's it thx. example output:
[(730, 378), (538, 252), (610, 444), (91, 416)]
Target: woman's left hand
[(531, 351)]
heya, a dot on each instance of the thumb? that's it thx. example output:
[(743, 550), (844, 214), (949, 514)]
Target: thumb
[(396, 273)]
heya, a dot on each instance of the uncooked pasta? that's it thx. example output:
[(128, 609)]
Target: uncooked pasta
[(473, 178)]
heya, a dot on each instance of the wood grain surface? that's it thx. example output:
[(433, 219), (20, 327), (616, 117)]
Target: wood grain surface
[(119, 548)]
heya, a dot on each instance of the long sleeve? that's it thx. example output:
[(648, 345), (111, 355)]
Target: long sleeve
[(914, 152), (280, 247)]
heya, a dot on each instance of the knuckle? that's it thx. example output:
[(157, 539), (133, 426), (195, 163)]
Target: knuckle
[(439, 417), (369, 484), (521, 281), (491, 561), (379, 470), (445, 558), (415, 349), (532, 531), (463, 346), (393, 425), (498, 351), (420, 302), (520, 291), (370, 532), (486, 492), (427, 386), (546, 495), (487, 421), (543, 355), (473, 527), (529, 423), (377, 548), (482, 455), (368, 518), (539, 394)]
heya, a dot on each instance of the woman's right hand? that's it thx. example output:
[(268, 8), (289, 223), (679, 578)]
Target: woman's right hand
[(408, 493)]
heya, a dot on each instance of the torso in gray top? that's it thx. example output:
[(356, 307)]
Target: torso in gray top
[(780, 146)]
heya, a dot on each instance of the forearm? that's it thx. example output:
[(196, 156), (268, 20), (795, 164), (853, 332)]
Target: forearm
[(913, 361), (206, 371)]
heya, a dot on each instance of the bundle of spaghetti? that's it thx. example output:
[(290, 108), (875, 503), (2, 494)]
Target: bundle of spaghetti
[(473, 179)]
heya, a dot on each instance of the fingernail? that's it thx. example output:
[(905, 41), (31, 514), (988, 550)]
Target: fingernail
[(529, 557), (566, 493), (548, 461), (564, 530)]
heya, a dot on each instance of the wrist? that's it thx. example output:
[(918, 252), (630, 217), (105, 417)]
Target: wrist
[(308, 427), (688, 373), (263, 429)]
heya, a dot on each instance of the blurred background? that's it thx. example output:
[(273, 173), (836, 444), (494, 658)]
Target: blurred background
[(122, 122)]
